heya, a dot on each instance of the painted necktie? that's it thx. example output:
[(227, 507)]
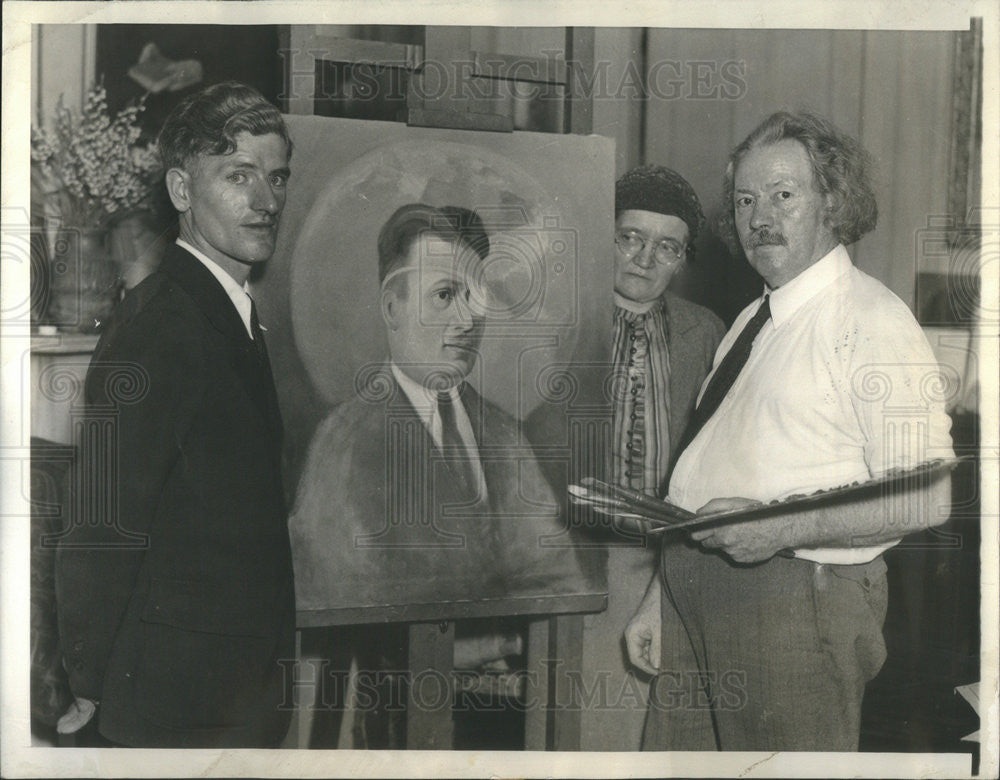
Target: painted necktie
[(452, 446)]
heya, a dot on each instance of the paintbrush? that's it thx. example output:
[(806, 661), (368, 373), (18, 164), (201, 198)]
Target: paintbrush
[(640, 503)]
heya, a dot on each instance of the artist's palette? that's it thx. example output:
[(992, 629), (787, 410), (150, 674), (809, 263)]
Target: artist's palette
[(664, 516)]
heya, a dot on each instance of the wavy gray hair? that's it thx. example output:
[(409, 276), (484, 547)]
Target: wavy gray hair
[(841, 168)]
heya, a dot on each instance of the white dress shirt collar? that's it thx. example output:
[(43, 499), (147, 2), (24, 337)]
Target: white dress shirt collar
[(791, 296), (240, 296)]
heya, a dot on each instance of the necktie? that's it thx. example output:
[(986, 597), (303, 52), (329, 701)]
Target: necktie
[(258, 334), (270, 394), (725, 375), (452, 446)]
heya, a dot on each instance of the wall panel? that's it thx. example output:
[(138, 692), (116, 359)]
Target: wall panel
[(891, 88)]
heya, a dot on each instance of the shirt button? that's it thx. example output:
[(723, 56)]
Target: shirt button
[(632, 416)]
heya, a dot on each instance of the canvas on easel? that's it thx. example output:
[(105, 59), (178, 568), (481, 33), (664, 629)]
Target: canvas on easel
[(376, 533)]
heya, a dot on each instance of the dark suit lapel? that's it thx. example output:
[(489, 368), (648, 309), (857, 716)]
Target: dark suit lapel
[(198, 282), (270, 392), (417, 475), (473, 404), (497, 519), (214, 302), (271, 399), (402, 462)]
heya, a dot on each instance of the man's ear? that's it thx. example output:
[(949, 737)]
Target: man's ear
[(178, 188), (390, 310), (829, 205)]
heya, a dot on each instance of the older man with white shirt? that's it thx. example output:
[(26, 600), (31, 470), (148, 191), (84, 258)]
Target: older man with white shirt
[(764, 633)]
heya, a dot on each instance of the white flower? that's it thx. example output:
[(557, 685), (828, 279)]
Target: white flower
[(95, 157)]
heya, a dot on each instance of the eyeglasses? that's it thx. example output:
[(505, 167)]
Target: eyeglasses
[(666, 251)]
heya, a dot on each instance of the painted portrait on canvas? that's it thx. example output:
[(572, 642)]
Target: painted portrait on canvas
[(431, 291)]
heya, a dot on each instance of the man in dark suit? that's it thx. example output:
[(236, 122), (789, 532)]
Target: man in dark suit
[(175, 597)]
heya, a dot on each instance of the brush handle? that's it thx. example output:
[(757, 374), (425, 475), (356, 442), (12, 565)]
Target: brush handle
[(639, 501)]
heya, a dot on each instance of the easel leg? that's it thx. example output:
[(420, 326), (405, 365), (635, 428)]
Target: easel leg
[(552, 691), (536, 687), (431, 689), (566, 659), (301, 725)]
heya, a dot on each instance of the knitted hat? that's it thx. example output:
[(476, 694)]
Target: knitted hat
[(661, 190)]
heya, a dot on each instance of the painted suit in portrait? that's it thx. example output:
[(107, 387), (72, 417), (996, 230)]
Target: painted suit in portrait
[(381, 516)]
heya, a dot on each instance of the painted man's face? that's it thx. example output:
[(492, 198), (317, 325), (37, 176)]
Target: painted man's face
[(436, 332)]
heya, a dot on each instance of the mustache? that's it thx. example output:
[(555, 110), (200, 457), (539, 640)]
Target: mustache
[(765, 237)]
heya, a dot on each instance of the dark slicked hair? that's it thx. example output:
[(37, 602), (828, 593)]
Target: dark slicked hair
[(409, 222), (841, 169), (207, 123)]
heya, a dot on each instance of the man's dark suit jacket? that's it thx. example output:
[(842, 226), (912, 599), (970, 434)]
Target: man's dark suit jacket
[(180, 640)]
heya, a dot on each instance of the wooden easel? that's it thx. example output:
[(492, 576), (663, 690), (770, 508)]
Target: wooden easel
[(555, 627), (554, 651)]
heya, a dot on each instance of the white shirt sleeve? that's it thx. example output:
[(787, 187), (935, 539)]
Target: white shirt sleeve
[(898, 392)]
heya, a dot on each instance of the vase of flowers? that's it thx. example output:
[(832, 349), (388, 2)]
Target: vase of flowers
[(92, 173), (83, 279)]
